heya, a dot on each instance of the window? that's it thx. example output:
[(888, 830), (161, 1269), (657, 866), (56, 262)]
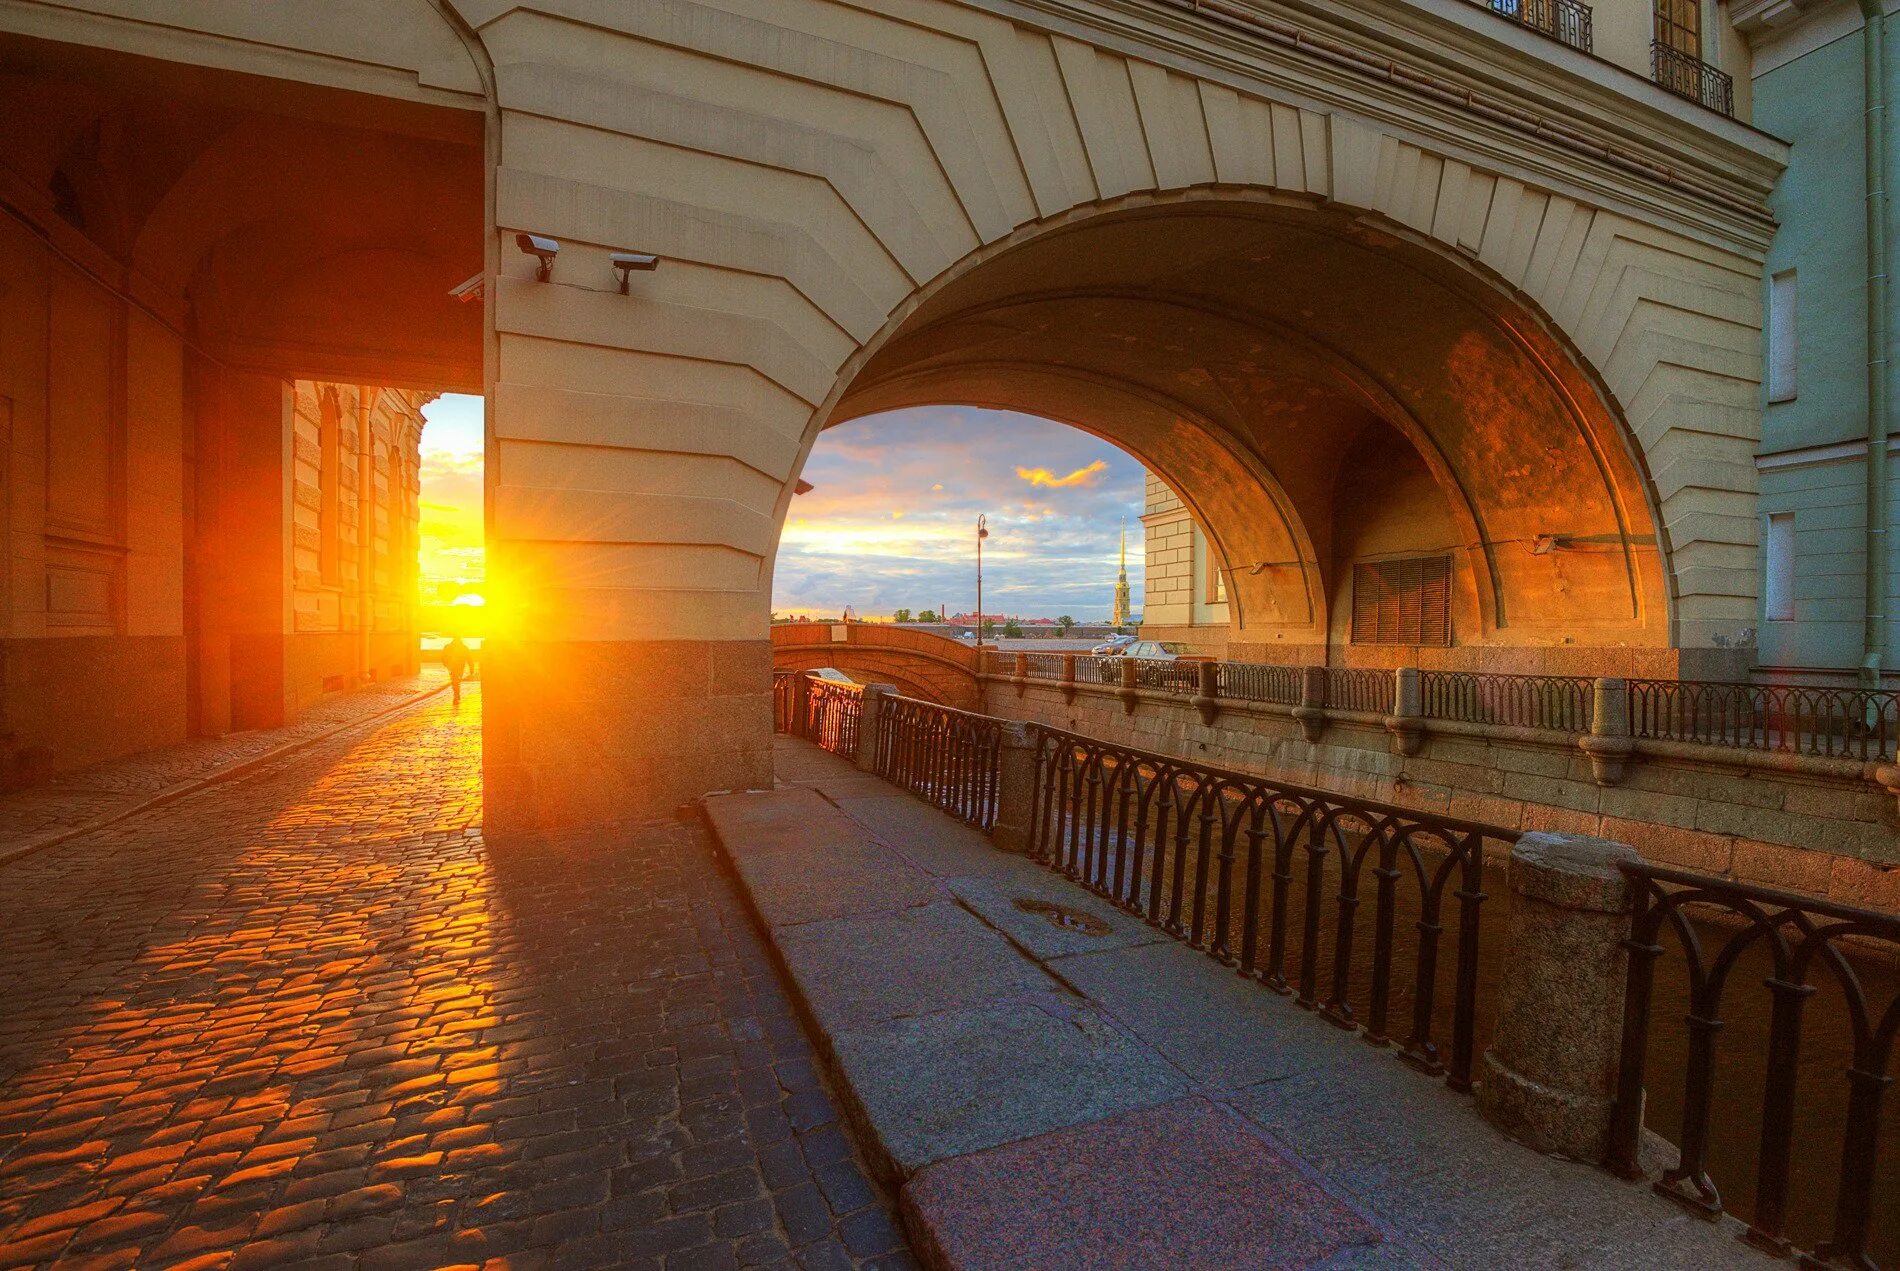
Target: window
[(1402, 601), (1679, 26), (1778, 568), (1781, 336)]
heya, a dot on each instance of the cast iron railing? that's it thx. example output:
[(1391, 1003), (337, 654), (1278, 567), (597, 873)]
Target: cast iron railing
[(1567, 21), (1209, 855), (1254, 682), (1359, 688), (1793, 719), (832, 712), (1802, 938), (1690, 77), (1560, 703), (946, 757), (785, 689), (1041, 666), (1846, 723)]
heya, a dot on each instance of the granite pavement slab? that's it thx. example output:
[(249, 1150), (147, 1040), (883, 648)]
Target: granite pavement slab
[(1183, 1184)]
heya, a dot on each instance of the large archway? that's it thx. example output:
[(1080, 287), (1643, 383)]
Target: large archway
[(1303, 376)]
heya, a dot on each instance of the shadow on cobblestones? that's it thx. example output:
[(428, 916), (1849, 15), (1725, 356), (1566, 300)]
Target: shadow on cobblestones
[(310, 1018)]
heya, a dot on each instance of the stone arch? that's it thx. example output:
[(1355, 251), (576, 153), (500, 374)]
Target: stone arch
[(1588, 493)]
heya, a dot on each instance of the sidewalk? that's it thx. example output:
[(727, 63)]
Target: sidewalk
[(1055, 1084), (79, 802)]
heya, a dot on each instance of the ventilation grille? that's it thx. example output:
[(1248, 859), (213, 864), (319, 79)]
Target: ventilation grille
[(1402, 601)]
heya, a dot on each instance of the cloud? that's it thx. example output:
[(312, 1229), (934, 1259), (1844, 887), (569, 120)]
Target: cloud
[(1081, 476), (943, 467)]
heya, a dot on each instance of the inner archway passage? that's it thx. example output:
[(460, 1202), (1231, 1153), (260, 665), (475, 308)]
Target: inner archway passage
[(1245, 349)]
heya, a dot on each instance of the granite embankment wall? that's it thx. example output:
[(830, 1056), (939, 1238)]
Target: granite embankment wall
[(1820, 826)]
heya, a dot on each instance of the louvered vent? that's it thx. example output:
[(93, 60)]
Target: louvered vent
[(1402, 601)]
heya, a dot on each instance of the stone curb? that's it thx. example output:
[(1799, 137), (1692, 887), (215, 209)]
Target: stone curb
[(883, 1167), (14, 851)]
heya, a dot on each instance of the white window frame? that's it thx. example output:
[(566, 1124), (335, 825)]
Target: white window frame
[(1783, 341), (1778, 559)]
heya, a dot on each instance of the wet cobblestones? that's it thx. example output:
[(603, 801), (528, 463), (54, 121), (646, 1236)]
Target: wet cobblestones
[(309, 1018)]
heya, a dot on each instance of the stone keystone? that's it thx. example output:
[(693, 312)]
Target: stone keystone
[(1549, 1078)]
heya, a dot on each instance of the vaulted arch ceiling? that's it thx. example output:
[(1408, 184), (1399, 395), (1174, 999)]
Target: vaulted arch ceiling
[(1239, 348), (288, 228)]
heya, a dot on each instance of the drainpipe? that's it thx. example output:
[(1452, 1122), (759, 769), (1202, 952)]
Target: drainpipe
[(1874, 42)]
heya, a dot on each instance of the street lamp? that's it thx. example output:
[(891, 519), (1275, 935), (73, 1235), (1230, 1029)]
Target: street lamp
[(982, 532)]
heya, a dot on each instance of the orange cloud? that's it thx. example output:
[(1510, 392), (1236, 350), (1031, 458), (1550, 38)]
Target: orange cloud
[(1081, 476)]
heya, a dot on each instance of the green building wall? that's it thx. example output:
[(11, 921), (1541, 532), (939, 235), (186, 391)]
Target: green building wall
[(1812, 458)]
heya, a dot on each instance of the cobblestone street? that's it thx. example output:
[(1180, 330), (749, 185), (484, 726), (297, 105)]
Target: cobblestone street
[(309, 1018)]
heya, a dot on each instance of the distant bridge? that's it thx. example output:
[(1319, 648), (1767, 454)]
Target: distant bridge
[(918, 663)]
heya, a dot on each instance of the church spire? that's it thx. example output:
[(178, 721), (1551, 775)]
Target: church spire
[(1124, 608)]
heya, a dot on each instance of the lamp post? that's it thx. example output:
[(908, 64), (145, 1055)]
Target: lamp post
[(982, 532)]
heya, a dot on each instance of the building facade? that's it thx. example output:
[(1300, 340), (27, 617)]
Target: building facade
[(1306, 261), (1184, 588), (1828, 401), (190, 549)]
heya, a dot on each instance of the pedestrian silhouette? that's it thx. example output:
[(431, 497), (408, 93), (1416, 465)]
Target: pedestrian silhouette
[(455, 657)]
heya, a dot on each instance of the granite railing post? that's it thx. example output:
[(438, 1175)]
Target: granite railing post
[(1130, 691), (1206, 697), (1311, 712), (1021, 676), (1549, 1077), (1406, 723), (1608, 743), (1015, 787), (870, 717), (1068, 677), (801, 706)]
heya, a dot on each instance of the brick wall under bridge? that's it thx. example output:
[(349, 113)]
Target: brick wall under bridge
[(917, 663), (1819, 826)]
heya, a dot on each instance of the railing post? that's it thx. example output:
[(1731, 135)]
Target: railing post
[(1406, 723), (1550, 1074), (1129, 691), (1206, 697), (1021, 676), (870, 715), (801, 705), (1068, 677), (1015, 787), (1608, 743), (1311, 712)]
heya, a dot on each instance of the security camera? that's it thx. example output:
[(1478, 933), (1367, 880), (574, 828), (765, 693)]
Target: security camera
[(625, 263), (544, 250)]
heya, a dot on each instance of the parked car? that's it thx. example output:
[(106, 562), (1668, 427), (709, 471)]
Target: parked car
[(1113, 645), (833, 674), (1172, 665)]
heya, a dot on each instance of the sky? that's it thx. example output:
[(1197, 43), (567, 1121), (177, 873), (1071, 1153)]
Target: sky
[(890, 523), (450, 534)]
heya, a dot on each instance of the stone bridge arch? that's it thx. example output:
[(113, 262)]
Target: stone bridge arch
[(834, 186), (918, 664)]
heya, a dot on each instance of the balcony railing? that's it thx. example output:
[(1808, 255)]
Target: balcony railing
[(1566, 21), (1691, 77)]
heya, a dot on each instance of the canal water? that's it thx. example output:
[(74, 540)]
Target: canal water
[(1741, 1049)]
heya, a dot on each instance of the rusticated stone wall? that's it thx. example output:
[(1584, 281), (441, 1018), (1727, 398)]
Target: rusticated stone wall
[(1811, 825)]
